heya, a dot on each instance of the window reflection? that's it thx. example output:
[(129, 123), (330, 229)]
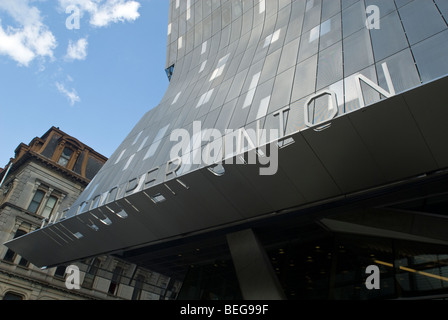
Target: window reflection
[(65, 157), (333, 268)]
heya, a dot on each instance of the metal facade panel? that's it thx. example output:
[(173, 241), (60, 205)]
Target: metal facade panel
[(273, 65), (278, 190), (344, 154), (306, 171), (392, 136), (428, 107)]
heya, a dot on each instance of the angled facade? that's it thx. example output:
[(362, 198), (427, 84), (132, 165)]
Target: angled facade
[(299, 143), (44, 176)]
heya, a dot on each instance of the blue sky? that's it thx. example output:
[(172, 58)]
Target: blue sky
[(94, 83)]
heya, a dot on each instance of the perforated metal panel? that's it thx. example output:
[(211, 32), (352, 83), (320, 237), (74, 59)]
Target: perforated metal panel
[(269, 65)]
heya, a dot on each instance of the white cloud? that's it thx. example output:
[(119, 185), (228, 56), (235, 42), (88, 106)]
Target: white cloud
[(104, 12), (30, 38), (77, 50), (115, 11), (71, 95)]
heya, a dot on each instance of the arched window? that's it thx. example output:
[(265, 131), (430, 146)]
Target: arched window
[(12, 296), (65, 157)]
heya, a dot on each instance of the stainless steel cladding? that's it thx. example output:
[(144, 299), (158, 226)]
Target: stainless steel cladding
[(325, 96)]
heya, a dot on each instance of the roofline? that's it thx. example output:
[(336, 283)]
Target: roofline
[(30, 155), (73, 139)]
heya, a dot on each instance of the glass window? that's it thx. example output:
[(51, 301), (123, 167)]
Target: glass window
[(420, 270), (78, 164), (12, 296), (91, 273), (23, 262), (169, 72), (11, 255), (116, 278), (60, 271), (35, 203), (138, 287), (49, 206), (65, 157), (51, 146)]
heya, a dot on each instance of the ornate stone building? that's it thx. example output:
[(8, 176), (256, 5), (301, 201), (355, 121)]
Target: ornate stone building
[(43, 177)]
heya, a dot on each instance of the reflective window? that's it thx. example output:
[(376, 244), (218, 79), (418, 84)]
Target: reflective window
[(36, 201), (237, 62), (65, 157), (115, 281), (60, 271), (91, 273), (93, 166), (49, 206), (138, 287), (12, 296), (10, 254)]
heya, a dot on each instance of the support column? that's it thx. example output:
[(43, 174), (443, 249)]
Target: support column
[(256, 276)]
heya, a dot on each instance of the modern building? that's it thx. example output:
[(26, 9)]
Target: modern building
[(300, 145), (46, 175)]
